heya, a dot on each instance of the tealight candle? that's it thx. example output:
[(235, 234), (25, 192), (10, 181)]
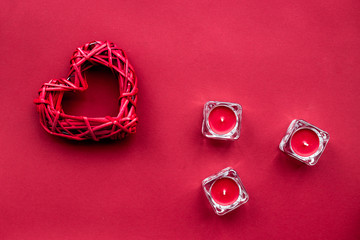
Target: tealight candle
[(222, 120), (304, 142), (225, 191)]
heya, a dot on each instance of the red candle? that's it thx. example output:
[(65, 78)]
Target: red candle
[(225, 191), (305, 142), (222, 120)]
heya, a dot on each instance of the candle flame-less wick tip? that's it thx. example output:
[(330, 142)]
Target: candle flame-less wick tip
[(224, 192), (222, 119), (306, 144)]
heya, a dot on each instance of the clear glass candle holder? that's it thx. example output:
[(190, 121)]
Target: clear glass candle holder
[(225, 191), (222, 120), (304, 142)]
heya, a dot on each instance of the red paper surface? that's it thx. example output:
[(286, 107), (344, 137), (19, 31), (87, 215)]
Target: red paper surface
[(279, 59)]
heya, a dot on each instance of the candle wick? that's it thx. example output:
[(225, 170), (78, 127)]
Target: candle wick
[(222, 119), (224, 192), (306, 144)]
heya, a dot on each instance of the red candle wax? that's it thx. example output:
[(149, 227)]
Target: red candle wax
[(305, 142), (225, 191), (222, 120)]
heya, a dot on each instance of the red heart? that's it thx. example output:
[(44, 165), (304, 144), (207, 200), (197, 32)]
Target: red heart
[(56, 122)]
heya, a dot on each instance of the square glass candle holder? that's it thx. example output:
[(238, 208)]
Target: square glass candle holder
[(222, 120), (225, 191), (304, 142)]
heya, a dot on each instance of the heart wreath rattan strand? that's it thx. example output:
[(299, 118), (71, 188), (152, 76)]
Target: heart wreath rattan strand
[(55, 121)]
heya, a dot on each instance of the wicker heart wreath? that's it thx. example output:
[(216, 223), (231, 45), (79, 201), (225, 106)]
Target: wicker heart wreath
[(56, 122)]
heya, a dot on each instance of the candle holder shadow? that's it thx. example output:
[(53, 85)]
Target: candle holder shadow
[(289, 169), (218, 144), (229, 220), (204, 208), (287, 163)]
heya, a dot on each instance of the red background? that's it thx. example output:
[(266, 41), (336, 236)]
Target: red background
[(279, 59)]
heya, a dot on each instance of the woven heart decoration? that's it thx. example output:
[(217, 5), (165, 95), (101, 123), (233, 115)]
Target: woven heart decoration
[(55, 121)]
